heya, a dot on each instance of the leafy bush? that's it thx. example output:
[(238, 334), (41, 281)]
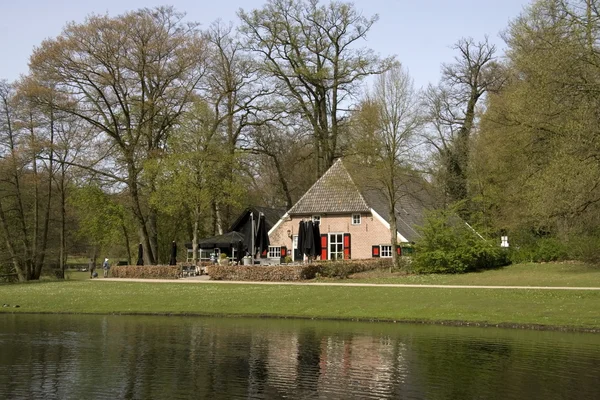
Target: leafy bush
[(585, 248), (539, 250), (403, 264), (448, 245), (146, 271)]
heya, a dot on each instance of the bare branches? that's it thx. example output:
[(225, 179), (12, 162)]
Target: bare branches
[(452, 109), (310, 51)]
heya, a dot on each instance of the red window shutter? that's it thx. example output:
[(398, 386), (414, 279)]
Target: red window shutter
[(375, 251), (399, 250), (283, 251), (324, 247), (347, 253)]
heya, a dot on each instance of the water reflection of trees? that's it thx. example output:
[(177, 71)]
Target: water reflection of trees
[(124, 357)]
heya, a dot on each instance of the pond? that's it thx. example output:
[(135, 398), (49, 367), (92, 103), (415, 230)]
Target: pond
[(151, 357)]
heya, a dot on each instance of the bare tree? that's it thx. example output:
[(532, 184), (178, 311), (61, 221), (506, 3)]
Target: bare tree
[(452, 109), (388, 126), (312, 53), (131, 78), (235, 89), (15, 234)]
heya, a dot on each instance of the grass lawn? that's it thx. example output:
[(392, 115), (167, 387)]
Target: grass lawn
[(574, 309), (530, 274)]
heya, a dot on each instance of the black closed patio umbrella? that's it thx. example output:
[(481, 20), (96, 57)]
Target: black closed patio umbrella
[(262, 236), (309, 240), (140, 260), (173, 260), (317, 238), (239, 251), (301, 234)]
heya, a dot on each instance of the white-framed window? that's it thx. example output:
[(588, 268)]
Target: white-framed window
[(385, 251), (336, 246), (355, 219), (205, 254), (316, 218), (294, 247), (274, 252)]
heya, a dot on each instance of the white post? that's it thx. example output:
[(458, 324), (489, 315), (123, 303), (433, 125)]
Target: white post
[(252, 239)]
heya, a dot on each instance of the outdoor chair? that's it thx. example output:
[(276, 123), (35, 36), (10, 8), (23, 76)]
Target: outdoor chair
[(185, 271)]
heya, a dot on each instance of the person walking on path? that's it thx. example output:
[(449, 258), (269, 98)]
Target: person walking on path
[(92, 268), (106, 267)]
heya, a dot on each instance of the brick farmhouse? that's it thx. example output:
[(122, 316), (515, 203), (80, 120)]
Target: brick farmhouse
[(353, 221)]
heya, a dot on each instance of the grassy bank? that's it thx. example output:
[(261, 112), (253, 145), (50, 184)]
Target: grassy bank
[(572, 309), (530, 274)]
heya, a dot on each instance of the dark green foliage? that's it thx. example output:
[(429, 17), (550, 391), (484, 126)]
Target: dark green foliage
[(578, 247), (540, 250), (450, 246), (7, 273), (585, 248)]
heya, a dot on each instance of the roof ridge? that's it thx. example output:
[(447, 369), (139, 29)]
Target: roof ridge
[(342, 200), (313, 185)]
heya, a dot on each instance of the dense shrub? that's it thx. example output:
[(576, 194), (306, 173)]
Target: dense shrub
[(146, 271), (403, 264), (271, 273), (449, 245), (342, 269), (538, 250), (585, 248), (7, 273)]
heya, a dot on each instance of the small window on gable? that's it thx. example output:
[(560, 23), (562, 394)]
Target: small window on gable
[(355, 219), (316, 218)]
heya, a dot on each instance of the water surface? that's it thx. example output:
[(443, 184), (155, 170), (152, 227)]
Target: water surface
[(134, 357)]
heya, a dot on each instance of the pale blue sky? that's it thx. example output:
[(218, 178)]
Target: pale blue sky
[(419, 32)]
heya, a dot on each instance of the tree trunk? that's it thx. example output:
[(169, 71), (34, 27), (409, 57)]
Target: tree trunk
[(127, 245), (36, 211), (394, 238), (218, 219), (63, 215), (22, 274), (195, 235), (283, 182), (153, 233), (149, 255), (22, 268), (44, 243)]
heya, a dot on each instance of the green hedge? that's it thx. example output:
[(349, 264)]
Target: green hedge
[(146, 271), (269, 273), (342, 269), (278, 273)]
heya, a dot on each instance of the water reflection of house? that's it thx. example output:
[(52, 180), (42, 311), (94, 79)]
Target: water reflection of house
[(282, 360), (364, 364)]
